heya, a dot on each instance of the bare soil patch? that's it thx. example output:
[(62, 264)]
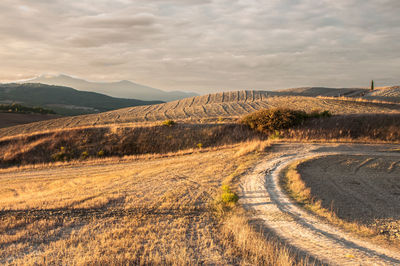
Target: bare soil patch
[(358, 188)]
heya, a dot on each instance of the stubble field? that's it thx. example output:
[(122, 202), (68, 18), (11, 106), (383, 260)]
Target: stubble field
[(149, 210), (358, 188)]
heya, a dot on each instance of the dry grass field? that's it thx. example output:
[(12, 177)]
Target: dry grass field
[(98, 142), (139, 211), (219, 107), (117, 141), (347, 128), (390, 94)]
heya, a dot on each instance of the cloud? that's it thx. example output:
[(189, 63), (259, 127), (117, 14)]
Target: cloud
[(204, 45), (112, 21)]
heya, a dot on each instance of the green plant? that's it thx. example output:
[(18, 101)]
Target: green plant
[(273, 120), (100, 153), (62, 155), (316, 113), (275, 135), (18, 108), (227, 196), (84, 155), (169, 123), (269, 120)]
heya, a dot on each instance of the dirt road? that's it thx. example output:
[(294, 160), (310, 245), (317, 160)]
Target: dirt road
[(261, 194)]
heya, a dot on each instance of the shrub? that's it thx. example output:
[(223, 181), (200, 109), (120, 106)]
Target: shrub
[(275, 135), (85, 154), (269, 120), (100, 153), (228, 196), (318, 114), (273, 120), (169, 123), (62, 155)]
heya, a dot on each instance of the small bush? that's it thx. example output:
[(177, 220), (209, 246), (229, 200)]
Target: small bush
[(275, 135), (269, 120), (100, 153), (318, 114), (85, 155), (227, 196), (169, 123), (61, 156), (273, 120)]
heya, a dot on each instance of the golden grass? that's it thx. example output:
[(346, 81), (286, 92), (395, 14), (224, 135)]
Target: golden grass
[(253, 146), (252, 245), (121, 141), (70, 144), (363, 100), (143, 211), (347, 128)]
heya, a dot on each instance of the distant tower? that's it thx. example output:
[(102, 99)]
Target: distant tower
[(372, 85)]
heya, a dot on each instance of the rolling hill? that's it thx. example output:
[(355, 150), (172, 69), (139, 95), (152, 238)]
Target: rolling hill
[(120, 89), (322, 91), (64, 100), (225, 106), (390, 94)]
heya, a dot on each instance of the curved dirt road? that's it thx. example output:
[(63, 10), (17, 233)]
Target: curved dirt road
[(261, 194)]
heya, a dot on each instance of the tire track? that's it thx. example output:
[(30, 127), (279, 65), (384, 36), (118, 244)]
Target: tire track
[(261, 193), (364, 163)]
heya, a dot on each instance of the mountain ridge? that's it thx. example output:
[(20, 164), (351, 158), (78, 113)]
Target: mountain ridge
[(64, 100), (120, 89)]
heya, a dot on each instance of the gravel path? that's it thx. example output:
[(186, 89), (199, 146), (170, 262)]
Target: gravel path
[(261, 194)]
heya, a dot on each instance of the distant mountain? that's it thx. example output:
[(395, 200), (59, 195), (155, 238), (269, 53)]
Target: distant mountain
[(64, 100), (121, 89)]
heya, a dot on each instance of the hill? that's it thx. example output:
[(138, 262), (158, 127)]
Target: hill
[(322, 91), (226, 106), (390, 94), (120, 89), (64, 100)]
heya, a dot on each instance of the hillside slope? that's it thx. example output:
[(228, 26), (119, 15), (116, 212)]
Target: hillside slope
[(64, 100), (390, 94), (212, 107), (13, 119), (322, 91), (120, 89)]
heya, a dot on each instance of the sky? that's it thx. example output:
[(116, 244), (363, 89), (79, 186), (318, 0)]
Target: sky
[(204, 45)]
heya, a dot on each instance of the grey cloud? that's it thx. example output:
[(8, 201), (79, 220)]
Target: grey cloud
[(110, 21), (204, 45)]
